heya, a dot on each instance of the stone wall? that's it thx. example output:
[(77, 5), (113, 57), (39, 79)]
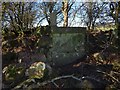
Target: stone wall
[(68, 44)]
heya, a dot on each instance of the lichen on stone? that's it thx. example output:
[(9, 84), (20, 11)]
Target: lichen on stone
[(36, 70)]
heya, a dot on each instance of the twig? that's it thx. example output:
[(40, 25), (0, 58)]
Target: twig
[(21, 84), (109, 76), (79, 79), (55, 84), (116, 72)]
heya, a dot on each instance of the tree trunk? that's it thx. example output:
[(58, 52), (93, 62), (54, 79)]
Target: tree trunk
[(65, 12), (90, 16)]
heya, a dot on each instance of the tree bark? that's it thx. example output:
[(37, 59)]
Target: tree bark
[(65, 12)]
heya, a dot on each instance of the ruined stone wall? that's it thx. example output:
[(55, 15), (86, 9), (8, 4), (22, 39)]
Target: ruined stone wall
[(68, 44)]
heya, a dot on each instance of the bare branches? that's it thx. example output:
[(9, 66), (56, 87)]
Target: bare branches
[(19, 15), (58, 78), (75, 13), (49, 81)]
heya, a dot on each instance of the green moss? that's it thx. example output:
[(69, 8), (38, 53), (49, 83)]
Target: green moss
[(11, 72)]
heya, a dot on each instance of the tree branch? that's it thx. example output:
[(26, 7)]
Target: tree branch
[(49, 81)]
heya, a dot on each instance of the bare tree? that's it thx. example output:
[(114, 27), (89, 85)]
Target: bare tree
[(18, 16), (47, 8), (114, 12), (18, 19), (90, 12)]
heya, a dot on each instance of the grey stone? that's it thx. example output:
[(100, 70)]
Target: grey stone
[(68, 45)]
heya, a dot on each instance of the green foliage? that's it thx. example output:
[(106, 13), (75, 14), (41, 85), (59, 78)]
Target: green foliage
[(12, 71)]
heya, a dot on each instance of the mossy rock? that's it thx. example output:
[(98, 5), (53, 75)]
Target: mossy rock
[(36, 70)]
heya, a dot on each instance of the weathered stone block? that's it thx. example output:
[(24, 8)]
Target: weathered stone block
[(68, 44)]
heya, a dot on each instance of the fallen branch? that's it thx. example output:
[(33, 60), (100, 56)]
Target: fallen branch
[(47, 82), (58, 78)]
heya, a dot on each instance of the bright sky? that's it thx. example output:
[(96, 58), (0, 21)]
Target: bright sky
[(75, 23)]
